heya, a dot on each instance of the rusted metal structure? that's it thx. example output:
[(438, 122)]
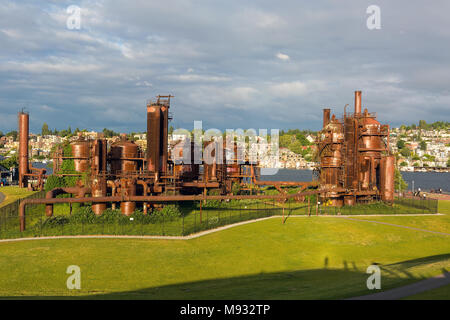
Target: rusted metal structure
[(27, 173), (122, 170), (356, 164)]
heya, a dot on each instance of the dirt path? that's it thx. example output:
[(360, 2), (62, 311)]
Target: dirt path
[(409, 290)]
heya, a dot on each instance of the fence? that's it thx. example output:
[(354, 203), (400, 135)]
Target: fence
[(191, 220), (12, 209)]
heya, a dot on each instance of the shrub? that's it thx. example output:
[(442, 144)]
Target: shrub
[(168, 212), (55, 221), (83, 215)]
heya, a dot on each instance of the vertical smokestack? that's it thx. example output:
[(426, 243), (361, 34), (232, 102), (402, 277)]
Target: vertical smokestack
[(326, 117), (153, 137), (23, 148), (357, 102), (164, 136)]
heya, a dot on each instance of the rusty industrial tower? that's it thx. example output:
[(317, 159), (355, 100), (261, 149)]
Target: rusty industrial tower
[(356, 164)]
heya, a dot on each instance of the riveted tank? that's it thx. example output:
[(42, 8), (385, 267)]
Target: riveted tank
[(98, 190), (331, 139), (80, 153), (387, 172), (370, 147), (124, 156)]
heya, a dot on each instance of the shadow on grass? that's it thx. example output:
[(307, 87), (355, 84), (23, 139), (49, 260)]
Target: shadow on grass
[(327, 283)]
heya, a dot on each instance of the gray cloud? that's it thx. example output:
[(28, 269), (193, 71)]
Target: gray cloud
[(222, 62)]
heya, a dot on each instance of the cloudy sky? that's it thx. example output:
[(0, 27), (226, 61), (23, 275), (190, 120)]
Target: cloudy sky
[(232, 64)]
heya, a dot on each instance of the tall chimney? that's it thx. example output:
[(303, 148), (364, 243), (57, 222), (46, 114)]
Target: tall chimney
[(153, 137), (164, 137), (24, 121), (326, 117), (357, 102)]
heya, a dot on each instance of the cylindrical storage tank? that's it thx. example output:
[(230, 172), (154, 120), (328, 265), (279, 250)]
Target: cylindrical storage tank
[(387, 173), (98, 190), (129, 189), (23, 148), (80, 153), (349, 200), (123, 157)]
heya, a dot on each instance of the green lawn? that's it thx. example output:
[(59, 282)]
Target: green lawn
[(13, 193), (305, 258), (444, 206)]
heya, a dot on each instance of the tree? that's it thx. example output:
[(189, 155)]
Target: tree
[(400, 144), (448, 163), (12, 134), (45, 131), (10, 162), (405, 152), (423, 145), (423, 124), (400, 184), (403, 164)]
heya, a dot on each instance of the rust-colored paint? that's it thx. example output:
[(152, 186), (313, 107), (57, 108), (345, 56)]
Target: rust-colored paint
[(23, 119), (350, 153)]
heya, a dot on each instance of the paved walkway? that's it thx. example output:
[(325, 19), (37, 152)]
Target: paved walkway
[(409, 290)]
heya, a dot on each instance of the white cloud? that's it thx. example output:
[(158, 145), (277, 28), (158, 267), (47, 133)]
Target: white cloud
[(196, 78), (296, 88), (282, 56)]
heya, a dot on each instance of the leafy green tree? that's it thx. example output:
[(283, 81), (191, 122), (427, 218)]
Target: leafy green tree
[(10, 162), (405, 152), (423, 124), (296, 147), (403, 164), (400, 183), (400, 144), (12, 134), (423, 145), (45, 131)]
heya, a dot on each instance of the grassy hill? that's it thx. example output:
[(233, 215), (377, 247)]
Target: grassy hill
[(305, 258)]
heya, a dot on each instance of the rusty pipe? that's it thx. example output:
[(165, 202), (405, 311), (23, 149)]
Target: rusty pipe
[(79, 192), (113, 185), (145, 192)]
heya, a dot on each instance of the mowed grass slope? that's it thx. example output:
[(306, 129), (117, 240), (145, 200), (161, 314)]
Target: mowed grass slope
[(305, 258), (13, 193)]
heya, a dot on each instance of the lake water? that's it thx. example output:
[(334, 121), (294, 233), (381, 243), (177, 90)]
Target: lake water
[(423, 180)]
